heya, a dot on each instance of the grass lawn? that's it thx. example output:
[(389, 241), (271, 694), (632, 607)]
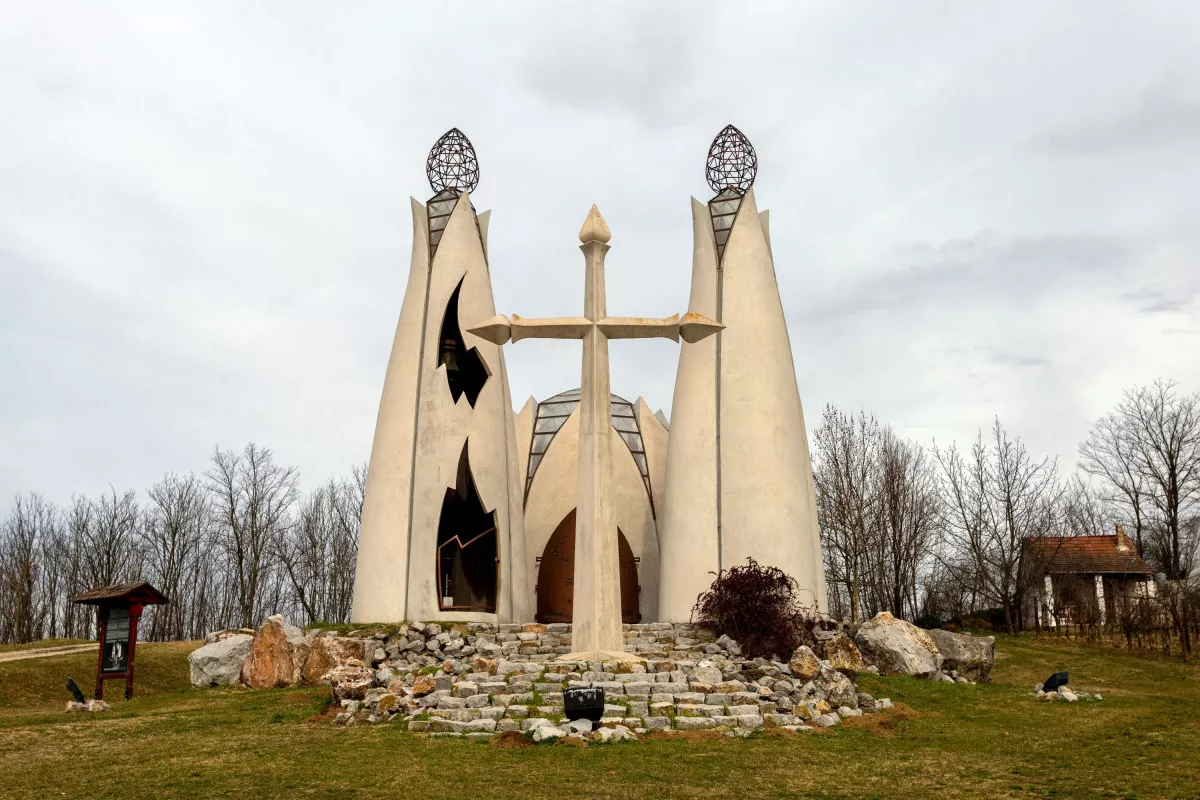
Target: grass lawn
[(988, 741)]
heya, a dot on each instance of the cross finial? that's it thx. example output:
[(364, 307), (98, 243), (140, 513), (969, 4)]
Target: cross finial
[(594, 229)]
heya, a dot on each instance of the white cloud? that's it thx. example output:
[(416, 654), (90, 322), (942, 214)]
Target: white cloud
[(204, 231)]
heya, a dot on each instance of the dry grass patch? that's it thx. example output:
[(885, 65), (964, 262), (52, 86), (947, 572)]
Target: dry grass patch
[(511, 740), (886, 722)]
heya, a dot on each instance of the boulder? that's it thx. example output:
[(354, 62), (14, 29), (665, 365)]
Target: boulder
[(971, 657), (481, 664), (424, 685), (729, 645), (217, 636), (837, 688), (326, 653), (897, 647), (841, 653), (547, 732), (804, 663), (220, 663), (350, 683), (277, 656)]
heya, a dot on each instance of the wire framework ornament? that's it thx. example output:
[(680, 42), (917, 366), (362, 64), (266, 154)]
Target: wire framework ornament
[(452, 164), (732, 163)]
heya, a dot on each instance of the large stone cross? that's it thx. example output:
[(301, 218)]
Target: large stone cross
[(596, 629)]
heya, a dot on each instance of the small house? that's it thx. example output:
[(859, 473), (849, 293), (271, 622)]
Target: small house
[(1082, 578)]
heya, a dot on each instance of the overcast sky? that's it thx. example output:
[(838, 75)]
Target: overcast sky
[(977, 209)]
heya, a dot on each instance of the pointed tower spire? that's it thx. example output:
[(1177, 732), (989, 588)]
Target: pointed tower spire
[(738, 480), (445, 430)]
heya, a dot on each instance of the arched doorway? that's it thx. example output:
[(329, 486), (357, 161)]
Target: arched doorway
[(556, 576)]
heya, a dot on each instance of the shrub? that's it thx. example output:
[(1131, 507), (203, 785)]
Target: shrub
[(929, 621), (758, 607)]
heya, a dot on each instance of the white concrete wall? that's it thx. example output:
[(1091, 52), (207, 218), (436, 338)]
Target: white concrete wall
[(767, 499), (379, 583), (688, 508), (442, 427), (553, 495), (524, 424)]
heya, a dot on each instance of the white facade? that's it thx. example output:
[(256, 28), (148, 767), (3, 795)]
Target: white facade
[(453, 467), (553, 490), (422, 430), (738, 480)]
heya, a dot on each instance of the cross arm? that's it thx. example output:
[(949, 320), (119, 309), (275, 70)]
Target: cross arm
[(641, 327), (499, 329), (693, 327)]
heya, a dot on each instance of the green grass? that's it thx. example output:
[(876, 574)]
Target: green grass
[(993, 741)]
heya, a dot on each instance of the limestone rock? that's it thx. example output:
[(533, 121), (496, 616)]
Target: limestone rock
[(897, 647), (481, 664), (220, 663), (971, 657), (90, 705), (277, 655), (729, 645), (695, 723), (547, 732), (804, 663), (841, 653), (826, 720), (217, 636), (423, 685), (579, 726), (351, 683), (836, 687), (707, 673), (328, 652)]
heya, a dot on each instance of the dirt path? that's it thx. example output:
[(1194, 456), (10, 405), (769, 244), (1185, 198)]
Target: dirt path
[(46, 652)]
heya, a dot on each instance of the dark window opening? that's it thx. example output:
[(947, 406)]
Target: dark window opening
[(465, 371), (468, 563)]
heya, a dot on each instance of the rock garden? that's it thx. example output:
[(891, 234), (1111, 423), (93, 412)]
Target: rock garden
[(478, 680)]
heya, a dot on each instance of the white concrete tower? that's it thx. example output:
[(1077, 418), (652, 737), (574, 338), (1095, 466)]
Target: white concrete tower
[(442, 534), (738, 479)]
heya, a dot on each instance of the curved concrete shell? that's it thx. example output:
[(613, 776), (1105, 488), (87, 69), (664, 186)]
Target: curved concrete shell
[(739, 479), (553, 491), (430, 426)]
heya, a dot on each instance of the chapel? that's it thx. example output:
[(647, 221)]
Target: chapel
[(470, 506)]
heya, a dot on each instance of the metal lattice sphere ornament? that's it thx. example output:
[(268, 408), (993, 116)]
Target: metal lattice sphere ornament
[(452, 163), (732, 163)]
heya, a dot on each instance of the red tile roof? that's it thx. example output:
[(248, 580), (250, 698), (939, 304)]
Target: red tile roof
[(1085, 554)]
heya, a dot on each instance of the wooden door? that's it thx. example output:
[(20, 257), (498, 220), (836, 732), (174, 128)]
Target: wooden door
[(556, 576)]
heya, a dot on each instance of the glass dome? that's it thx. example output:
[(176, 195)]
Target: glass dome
[(552, 414)]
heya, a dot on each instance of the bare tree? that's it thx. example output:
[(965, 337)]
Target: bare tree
[(996, 498), (252, 496), (22, 610), (110, 553), (907, 510), (319, 552), (1086, 512), (177, 522), (847, 488), (1110, 454), (1164, 433)]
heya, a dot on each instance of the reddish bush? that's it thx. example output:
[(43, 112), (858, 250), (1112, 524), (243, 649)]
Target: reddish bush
[(758, 607)]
